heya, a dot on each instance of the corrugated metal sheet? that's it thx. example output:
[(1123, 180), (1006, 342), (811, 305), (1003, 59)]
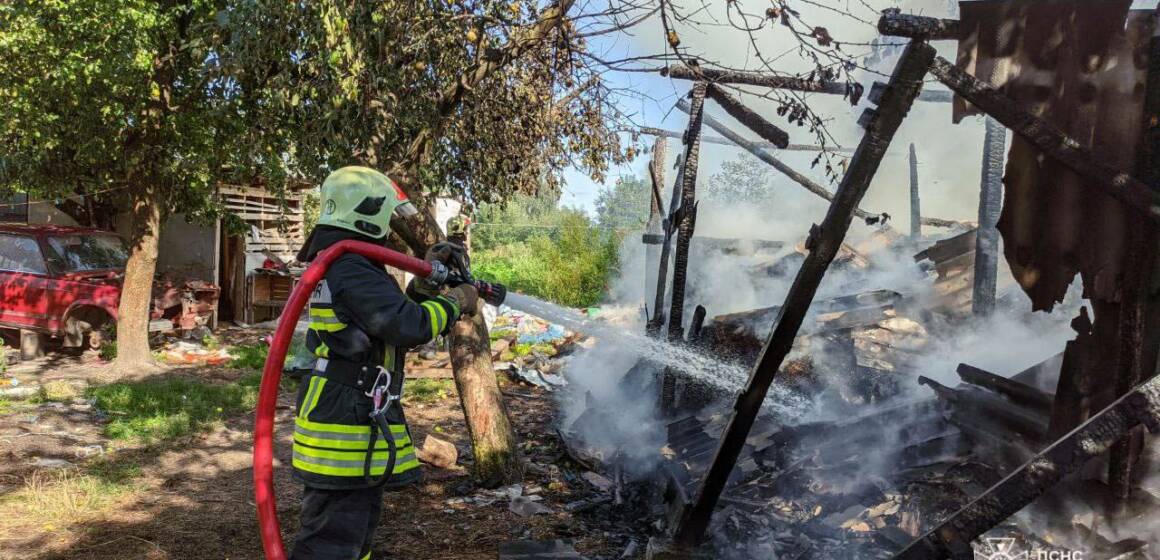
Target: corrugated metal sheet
[(1080, 65)]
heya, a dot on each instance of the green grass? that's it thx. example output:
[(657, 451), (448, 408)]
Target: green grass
[(6, 406), (249, 356), (427, 391), (150, 411)]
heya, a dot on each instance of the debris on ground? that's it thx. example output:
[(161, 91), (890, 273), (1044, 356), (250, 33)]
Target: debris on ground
[(438, 453)]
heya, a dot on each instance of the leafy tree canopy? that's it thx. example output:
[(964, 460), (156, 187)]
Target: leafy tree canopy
[(625, 206)]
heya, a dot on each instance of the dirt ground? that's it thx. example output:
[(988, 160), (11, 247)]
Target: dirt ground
[(192, 498)]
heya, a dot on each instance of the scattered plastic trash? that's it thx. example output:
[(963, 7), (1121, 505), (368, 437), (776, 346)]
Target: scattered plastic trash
[(524, 506), (546, 381), (182, 352), (50, 463)]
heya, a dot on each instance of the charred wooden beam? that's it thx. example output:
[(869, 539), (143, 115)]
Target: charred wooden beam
[(915, 210), (928, 96), (990, 204), (746, 116), (1051, 141), (655, 216), (651, 131), (1137, 341), (718, 242), (897, 24), (1037, 476), (1018, 392), (765, 156), (653, 328), (774, 81), (823, 244), (688, 211)]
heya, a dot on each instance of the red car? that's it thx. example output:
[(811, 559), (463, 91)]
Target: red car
[(60, 281)]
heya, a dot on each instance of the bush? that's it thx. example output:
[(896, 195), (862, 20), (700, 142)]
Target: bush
[(569, 265)]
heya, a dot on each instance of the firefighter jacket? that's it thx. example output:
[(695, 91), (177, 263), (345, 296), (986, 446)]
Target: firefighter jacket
[(361, 326)]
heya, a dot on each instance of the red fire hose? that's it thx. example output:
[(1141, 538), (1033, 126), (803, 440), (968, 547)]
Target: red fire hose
[(272, 374)]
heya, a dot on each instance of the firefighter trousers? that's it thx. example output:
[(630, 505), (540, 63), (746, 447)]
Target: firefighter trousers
[(338, 524)]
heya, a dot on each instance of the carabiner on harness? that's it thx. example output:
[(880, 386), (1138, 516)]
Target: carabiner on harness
[(381, 399)]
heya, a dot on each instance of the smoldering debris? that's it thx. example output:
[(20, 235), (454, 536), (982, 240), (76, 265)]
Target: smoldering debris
[(888, 434)]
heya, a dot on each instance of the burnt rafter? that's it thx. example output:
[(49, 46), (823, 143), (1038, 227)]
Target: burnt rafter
[(1117, 183), (662, 133), (766, 157), (746, 116), (823, 245), (897, 24), (1035, 477), (774, 81)]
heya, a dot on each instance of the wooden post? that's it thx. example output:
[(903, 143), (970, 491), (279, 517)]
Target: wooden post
[(688, 211), (823, 244), (1137, 327), (656, 211), (658, 319), (915, 210), (990, 203), (493, 441), (772, 161)]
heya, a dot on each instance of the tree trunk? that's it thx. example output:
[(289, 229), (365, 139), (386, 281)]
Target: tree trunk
[(493, 441), (137, 285)]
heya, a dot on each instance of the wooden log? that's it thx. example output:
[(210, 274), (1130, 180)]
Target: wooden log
[(660, 132), (823, 245), (897, 24), (493, 441), (777, 164), (990, 204), (1030, 481), (1050, 140), (746, 116), (688, 211), (774, 81)]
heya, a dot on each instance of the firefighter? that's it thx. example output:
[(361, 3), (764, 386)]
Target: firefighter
[(361, 326)]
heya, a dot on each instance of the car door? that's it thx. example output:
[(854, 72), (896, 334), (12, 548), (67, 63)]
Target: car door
[(24, 279)]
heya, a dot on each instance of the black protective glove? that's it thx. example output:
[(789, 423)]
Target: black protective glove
[(465, 297)]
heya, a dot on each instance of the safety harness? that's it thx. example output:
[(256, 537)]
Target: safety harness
[(379, 391)]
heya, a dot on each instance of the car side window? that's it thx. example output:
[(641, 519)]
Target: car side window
[(21, 254)]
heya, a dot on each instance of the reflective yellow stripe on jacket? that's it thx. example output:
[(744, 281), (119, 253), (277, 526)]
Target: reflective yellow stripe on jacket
[(341, 449)]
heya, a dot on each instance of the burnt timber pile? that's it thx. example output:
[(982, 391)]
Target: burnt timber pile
[(933, 464)]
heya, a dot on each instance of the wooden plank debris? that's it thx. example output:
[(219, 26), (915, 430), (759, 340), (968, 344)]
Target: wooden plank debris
[(1035, 477)]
